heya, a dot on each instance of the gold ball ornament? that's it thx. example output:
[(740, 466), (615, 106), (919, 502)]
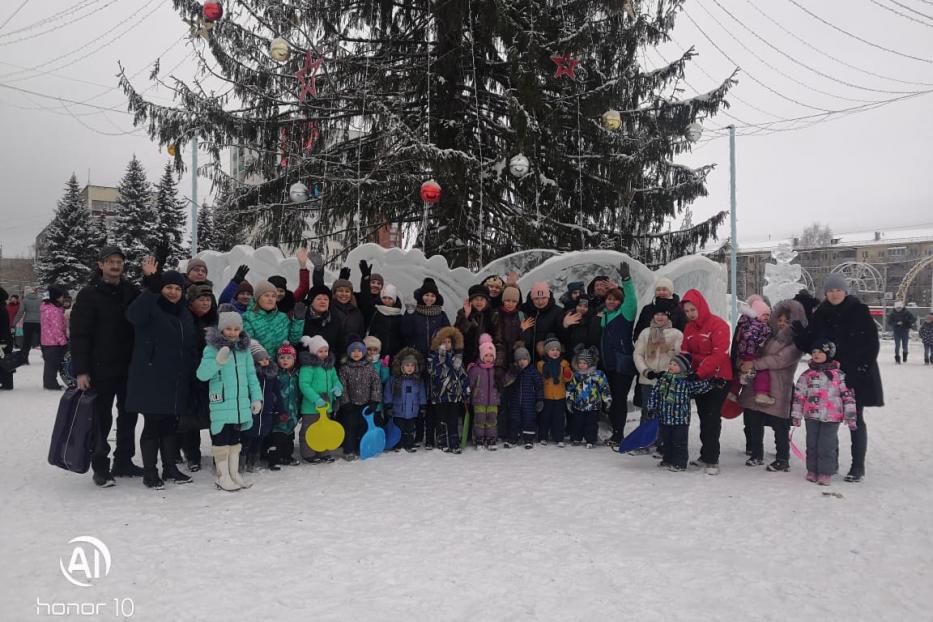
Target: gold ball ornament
[(612, 120), (172, 150), (280, 50)]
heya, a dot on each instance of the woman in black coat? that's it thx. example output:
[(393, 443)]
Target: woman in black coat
[(6, 342), (164, 358), (846, 321), (203, 308)]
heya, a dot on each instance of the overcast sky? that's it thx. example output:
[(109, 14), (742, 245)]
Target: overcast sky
[(858, 171)]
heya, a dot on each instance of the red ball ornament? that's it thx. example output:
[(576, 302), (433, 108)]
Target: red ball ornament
[(430, 191), (212, 11)]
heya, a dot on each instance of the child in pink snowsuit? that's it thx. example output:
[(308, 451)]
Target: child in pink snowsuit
[(751, 334), (484, 394)]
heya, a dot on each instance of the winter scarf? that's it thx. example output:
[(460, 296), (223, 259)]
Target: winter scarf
[(552, 369), (431, 310), (656, 340)]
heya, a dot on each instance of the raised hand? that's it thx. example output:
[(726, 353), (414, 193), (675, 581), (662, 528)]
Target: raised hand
[(625, 271), (302, 256), (240, 274), (527, 323), (511, 278), (366, 269), (344, 273), (149, 266), (222, 355), (572, 319), (467, 307)]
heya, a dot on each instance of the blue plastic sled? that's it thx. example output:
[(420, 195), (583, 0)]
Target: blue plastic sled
[(374, 440), (643, 436), (393, 434)]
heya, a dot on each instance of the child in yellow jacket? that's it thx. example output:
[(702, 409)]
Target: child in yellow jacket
[(556, 372)]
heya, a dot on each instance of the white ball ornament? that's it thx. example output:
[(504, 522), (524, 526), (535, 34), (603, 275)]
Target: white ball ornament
[(612, 120), (519, 166), (280, 50), (298, 192), (694, 132)]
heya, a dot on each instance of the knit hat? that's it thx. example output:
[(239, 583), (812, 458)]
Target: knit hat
[(278, 282), (56, 292), (109, 251), (666, 283), (760, 308), (355, 343), (583, 300), (409, 358), (575, 286), (373, 342), (173, 278), (244, 286), (428, 286), (589, 355), (195, 262), (375, 276), (511, 293), (665, 305), (256, 349), (286, 349), (684, 362), (495, 279), (540, 290), (389, 291), (824, 345), (478, 291), (198, 291), (551, 341), (521, 353), (263, 287), (319, 290), (229, 319), (835, 281), (342, 283), (486, 346), (313, 344)]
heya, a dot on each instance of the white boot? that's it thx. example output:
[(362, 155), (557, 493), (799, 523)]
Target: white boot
[(222, 461), (233, 462)]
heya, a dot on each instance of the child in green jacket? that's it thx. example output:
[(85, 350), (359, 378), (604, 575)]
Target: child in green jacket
[(319, 386), (234, 392), (280, 446)]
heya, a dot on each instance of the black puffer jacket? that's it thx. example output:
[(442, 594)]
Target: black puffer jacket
[(678, 318), (548, 321), (850, 326), (101, 336)]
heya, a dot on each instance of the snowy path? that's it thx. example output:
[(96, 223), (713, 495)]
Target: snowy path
[(547, 534)]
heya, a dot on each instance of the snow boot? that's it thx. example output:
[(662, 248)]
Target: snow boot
[(222, 460), (755, 462), (823, 480), (854, 476), (897, 359), (152, 480), (149, 448), (779, 466), (169, 447), (126, 469), (103, 479), (233, 461), (712, 469), (811, 476)]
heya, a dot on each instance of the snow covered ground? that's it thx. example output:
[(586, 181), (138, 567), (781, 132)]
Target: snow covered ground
[(546, 534)]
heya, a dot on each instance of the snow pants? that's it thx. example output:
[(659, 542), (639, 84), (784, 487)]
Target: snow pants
[(407, 427), (108, 389), (822, 447), (585, 425), (52, 357), (551, 425), (674, 440), (619, 386), (859, 442), (485, 423), (448, 425), (708, 406), (928, 353), (351, 418), (757, 421)]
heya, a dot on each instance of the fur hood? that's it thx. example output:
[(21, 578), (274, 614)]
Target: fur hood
[(403, 353), (448, 331), (214, 337), (308, 359), (794, 310)]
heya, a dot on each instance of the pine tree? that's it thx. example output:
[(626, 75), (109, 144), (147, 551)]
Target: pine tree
[(227, 226), (205, 228), (172, 217), (136, 226), (71, 247), (416, 89)]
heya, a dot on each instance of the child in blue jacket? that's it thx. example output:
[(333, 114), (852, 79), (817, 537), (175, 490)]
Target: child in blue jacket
[(404, 396), (526, 399), (588, 394), (256, 435)]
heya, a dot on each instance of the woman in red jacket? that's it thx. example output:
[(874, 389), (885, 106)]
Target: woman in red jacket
[(706, 339)]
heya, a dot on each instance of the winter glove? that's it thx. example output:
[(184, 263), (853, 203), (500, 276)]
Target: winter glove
[(299, 310), (853, 424), (338, 391), (366, 269), (625, 271), (457, 361), (797, 327), (222, 355), (653, 375), (719, 383), (306, 342), (539, 406), (161, 254), (441, 350), (240, 274), (319, 403), (317, 260), (255, 407), (344, 274)]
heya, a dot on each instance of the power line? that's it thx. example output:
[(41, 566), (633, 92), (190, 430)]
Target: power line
[(13, 14), (827, 54), (904, 15), (61, 99), (804, 65), (50, 20), (856, 37)]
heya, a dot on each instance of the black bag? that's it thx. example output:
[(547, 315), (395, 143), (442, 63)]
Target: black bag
[(11, 360), (75, 434)]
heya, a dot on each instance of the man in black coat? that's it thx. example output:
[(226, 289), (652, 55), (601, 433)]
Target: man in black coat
[(101, 348), (900, 321), (846, 321)]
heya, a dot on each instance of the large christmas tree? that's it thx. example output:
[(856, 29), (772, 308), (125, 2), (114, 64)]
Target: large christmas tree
[(172, 218), (136, 226), (72, 242), (369, 99)]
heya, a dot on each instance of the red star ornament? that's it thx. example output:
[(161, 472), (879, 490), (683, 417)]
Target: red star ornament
[(307, 76), (566, 66), (313, 134)]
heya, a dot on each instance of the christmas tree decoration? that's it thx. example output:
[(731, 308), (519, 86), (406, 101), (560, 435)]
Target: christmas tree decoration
[(313, 134), (280, 50), (519, 166), (566, 66), (171, 150), (612, 120), (298, 192), (198, 28), (307, 76), (212, 11), (430, 192), (694, 132)]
